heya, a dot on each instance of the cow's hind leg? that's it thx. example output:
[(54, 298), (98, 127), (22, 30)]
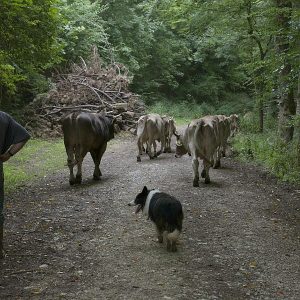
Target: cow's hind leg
[(97, 172), (206, 171), (154, 149), (162, 145), (140, 150), (97, 161), (71, 162), (217, 158), (166, 150), (80, 153), (195, 165), (149, 145)]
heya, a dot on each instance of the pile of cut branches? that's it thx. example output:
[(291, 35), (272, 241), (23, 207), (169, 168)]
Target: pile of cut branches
[(90, 87)]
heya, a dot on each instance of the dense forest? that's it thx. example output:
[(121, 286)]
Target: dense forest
[(185, 57)]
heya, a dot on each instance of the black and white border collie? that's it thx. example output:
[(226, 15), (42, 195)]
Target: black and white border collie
[(166, 213)]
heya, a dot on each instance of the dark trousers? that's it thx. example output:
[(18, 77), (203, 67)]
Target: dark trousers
[(1, 208), (1, 194)]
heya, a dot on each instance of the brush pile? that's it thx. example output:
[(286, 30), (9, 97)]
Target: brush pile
[(89, 87)]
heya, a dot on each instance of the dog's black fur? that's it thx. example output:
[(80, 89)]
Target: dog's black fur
[(166, 212)]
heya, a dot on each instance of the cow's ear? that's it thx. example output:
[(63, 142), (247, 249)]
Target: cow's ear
[(145, 190)]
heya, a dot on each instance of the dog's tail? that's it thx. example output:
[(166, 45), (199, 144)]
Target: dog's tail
[(173, 236), (175, 230)]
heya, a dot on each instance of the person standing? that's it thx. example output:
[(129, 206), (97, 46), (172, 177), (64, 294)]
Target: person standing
[(13, 137)]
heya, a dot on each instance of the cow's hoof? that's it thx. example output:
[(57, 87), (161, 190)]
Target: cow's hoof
[(158, 153), (96, 177), (207, 180), (138, 159), (195, 183), (203, 173), (72, 182)]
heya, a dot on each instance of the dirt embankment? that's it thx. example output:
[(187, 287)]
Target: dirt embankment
[(241, 236)]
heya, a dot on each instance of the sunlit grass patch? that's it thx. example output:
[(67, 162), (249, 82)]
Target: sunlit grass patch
[(35, 160)]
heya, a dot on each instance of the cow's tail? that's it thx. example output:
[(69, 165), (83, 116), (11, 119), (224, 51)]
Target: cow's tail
[(141, 125), (174, 230), (77, 145), (201, 125)]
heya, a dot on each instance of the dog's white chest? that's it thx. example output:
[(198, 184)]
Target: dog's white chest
[(148, 200)]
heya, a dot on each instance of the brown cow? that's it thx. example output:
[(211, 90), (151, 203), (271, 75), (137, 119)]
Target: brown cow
[(200, 141), (86, 132), (150, 128), (170, 129)]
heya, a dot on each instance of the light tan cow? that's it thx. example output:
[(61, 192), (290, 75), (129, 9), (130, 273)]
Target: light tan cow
[(200, 140), (150, 128), (223, 135), (233, 124), (170, 129)]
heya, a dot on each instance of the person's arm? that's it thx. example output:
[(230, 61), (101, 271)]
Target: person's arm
[(12, 150)]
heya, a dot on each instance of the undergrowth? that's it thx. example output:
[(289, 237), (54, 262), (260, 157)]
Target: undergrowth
[(37, 159), (267, 149)]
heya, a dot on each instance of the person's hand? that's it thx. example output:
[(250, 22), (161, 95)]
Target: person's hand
[(4, 157)]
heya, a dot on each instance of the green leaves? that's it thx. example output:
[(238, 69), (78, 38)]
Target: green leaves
[(28, 39), (82, 28)]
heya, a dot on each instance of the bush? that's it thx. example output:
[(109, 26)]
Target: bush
[(270, 151)]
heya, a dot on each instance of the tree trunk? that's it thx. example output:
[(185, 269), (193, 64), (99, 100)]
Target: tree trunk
[(287, 108), (261, 119), (297, 125), (286, 101)]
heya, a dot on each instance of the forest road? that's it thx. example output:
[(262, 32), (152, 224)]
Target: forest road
[(240, 239)]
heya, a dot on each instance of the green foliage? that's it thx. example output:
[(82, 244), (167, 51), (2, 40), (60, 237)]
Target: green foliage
[(130, 28), (187, 109), (182, 110), (271, 152), (82, 28), (28, 40)]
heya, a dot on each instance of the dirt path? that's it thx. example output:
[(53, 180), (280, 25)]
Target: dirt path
[(241, 237)]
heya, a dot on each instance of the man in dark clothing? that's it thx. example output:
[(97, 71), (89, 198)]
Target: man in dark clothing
[(12, 138)]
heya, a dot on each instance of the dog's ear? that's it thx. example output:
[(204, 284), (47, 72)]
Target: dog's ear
[(145, 190)]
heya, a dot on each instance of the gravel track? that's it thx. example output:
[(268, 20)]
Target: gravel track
[(241, 236)]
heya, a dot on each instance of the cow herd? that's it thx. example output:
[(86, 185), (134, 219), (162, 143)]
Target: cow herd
[(204, 139)]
